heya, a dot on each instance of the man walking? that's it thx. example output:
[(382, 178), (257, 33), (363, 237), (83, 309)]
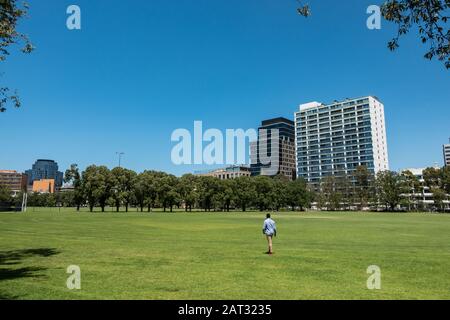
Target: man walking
[(270, 230)]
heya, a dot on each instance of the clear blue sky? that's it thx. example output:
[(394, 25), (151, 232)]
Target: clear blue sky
[(140, 69)]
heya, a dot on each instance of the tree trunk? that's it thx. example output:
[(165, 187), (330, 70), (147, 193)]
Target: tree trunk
[(126, 207)]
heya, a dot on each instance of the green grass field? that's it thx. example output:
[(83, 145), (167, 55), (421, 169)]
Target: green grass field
[(221, 256)]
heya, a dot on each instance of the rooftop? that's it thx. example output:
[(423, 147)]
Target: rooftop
[(277, 120), (315, 104)]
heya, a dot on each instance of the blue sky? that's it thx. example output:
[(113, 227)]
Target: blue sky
[(140, 69)]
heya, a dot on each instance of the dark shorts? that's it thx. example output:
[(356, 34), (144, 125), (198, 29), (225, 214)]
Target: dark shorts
[(269, 235)]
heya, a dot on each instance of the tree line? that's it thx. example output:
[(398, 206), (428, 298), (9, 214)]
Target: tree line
[(98, 186)]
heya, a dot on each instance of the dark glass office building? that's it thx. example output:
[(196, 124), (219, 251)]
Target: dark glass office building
[(263, 147), (45, 169)]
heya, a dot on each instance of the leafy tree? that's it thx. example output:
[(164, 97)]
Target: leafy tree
[(389, 189), (345, 189), (264, 187), (332, 195), (97, 183), (67, 198), (42, 200), (5, 196), (122, 191), (139, 189), (72, 176), (152, 187), (49, 199), (445, 179), (432, 177), (244, 192), (438, 197), (438, 180), (207, 188), (167, 191), (11, 12), (298, 195), (187, 189), (429, 17), (410, 186), (277, 196), (320, 199), (363, 186), (224, 196)]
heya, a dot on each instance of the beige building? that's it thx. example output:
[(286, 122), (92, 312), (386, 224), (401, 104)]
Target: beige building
[(232, 172), (13, 180)]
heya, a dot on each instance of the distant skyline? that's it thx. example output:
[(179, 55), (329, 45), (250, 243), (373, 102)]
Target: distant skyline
[(138, 70)]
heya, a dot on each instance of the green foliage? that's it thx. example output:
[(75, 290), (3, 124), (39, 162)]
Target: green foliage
[(429, 17), (187, 189), (123, 185), (410, 185), (36, 199), (389, 189), (244, 192), (264, 186), (332, 193), (5, 197), (98, 186), (298, 195), (97, 183), (73, 177), (438, 180), (11, 12), (364, 187), (438, 196)]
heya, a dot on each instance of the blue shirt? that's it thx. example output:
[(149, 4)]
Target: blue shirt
[(269, 227)]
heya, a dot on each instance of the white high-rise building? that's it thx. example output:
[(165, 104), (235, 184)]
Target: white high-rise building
[(446, 149), (335, 139)]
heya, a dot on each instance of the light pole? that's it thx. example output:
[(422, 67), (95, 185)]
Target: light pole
[(120, 156)]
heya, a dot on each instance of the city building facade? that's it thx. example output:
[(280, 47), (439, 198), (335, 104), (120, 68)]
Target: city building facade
[(274, 134), (13, 180), (446, 150), (334, 139), (45, 169), (231, 172), (423, 198), (44, 186)]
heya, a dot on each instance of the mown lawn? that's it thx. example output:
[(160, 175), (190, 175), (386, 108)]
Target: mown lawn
[(221, 255)]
